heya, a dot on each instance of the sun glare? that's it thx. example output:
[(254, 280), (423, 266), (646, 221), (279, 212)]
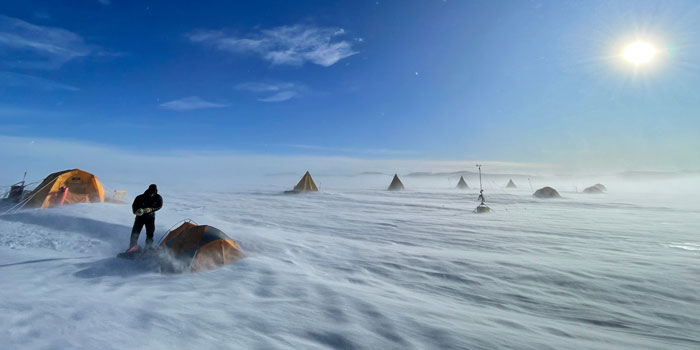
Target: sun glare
[(639, 52)]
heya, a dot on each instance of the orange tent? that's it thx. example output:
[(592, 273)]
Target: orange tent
[(199, 248), (82, 187)]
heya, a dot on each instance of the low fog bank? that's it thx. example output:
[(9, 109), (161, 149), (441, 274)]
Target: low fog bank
[(186, 171)]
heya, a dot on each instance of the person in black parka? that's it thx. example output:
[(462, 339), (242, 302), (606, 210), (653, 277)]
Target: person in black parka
[(144, 207)]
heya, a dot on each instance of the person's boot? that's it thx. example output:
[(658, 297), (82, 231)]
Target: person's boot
[(149, 243)]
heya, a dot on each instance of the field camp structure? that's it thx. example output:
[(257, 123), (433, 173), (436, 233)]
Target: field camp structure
[(546, 192), (60, 188), (306, 184), (57, 189), (482, 207), (511, 184), (597, 188), (396, 184), (196, 248), (462, 184)]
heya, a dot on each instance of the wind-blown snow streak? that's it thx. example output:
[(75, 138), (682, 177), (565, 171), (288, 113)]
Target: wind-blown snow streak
[(364, 269)]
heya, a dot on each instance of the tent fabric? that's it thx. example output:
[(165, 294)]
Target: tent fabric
[(593, 189), (200, 248), (175, 232), (396, 184), (83, 187), (511, 184), (546, 192), (306, 184), (462, 184)]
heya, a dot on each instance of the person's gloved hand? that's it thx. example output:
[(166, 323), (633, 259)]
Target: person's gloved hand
[(139, 212), (147, 210)]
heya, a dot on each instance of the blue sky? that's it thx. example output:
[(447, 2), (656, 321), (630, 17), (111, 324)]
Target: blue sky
[(519, 81)]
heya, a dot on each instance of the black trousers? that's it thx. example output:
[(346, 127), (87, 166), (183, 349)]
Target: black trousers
[(144, 220)]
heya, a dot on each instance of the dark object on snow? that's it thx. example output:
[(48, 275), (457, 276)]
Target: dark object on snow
[(546, 192), (462, 184), (593, 189), (144, 207), (482, 208), (306, 184), (137, 253), (511, 184), (602, 187), (396, 184)]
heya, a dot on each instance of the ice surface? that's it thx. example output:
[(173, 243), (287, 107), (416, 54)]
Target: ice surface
[(358, 267)]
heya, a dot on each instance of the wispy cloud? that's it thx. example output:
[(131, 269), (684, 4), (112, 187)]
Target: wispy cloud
[(276, 92), (190, 103), (26, 45), (10, 79), (286, 45)]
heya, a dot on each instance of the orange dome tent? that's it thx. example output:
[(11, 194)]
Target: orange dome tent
[(194, 248), (67, 187)]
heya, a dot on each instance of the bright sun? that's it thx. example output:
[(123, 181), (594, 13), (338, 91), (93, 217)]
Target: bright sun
[(639, 52)]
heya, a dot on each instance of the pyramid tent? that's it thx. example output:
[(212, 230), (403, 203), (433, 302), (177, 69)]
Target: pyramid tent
[(306, 184), (511, 184), (396, 184), (67, 187), (462, 184), (193, 248)]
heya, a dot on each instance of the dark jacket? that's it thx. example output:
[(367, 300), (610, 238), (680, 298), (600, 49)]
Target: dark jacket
[(145, 200)]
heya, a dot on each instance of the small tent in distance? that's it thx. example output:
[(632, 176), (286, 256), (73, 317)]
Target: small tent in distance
[(546, 192), (396, 184), (462, 184), (593, 189), (67, 187), (193, 248), (511, 184), (306, 184)]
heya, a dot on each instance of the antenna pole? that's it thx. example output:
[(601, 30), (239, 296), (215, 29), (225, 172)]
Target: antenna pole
[(479, 166)]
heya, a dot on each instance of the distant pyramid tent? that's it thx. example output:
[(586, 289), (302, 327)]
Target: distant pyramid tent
[(67, 187), (462, 184), (306, 184), (396, 184), (511, 184)]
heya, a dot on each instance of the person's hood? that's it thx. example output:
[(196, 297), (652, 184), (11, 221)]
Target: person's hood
[(152, 189)]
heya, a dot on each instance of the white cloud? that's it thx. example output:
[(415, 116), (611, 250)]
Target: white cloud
[(277, 92), (10, 79), (286, 45), (190, 103), (279, 97), (264, 87), (25, 45)]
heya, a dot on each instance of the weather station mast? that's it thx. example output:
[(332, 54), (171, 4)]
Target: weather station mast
[(482, 207)]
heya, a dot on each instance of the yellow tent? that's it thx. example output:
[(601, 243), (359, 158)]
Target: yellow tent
[(198, 248), (306, 184), (82, 187)]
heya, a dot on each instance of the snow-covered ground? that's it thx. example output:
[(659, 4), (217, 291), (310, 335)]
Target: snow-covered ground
[(359, 268)]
